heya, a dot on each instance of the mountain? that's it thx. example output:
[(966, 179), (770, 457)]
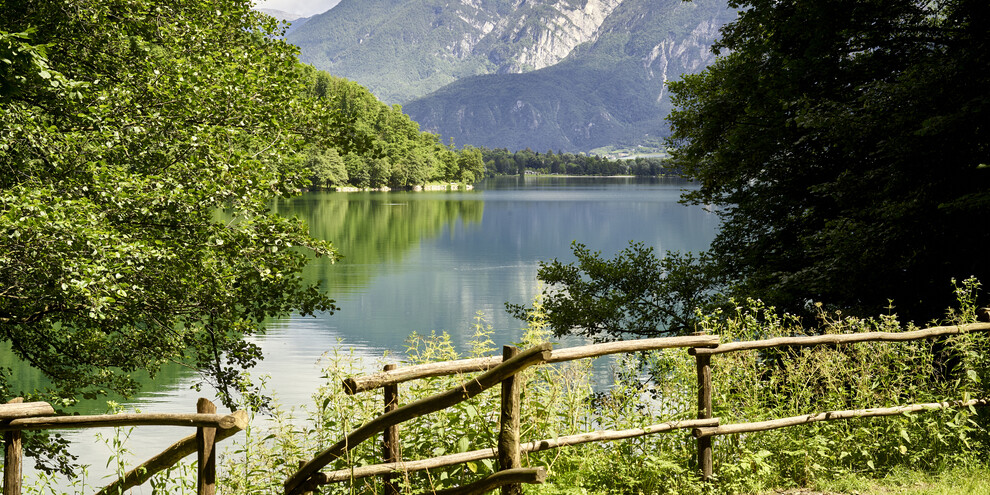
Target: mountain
[(547, 74), (403, 49), (609, 91)]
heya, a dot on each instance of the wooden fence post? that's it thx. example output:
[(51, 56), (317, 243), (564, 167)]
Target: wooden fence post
[(301, 464), (206, 468), (704, 412), (390, 437), (12, 459), (509, 456)]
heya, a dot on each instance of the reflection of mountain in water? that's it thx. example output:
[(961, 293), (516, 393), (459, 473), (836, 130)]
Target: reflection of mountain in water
[(370, 228)]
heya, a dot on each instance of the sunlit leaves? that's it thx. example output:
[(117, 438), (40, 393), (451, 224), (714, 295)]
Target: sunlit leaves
[(134, 194)]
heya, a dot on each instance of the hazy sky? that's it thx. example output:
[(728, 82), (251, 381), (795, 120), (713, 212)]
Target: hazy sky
[(302, 7)]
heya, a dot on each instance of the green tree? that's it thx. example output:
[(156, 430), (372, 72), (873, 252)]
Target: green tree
[(140, 145), (470, 165), (357, 170), (846, 144), (380, 172), (326, 167), (636, 293)]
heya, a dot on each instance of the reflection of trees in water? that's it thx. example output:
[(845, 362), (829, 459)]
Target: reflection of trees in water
[(29, 378), (371, 228)]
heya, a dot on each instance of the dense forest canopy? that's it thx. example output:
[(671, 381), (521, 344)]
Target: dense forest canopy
[(356, 140), (848, 144)]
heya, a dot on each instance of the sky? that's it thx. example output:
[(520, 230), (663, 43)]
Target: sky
[(304, 8)]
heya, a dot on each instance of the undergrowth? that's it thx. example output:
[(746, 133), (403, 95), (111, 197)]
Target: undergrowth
[(649, 388)]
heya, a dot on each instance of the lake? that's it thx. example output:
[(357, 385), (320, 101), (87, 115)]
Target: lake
[(430, 261)]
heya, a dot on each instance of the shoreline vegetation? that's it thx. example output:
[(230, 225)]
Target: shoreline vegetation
[(856, 455), (931, 452), (453, 186)]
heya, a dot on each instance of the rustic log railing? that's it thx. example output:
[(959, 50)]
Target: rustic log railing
[(702, 347), (17, 416), (303, 480), (703, 357)]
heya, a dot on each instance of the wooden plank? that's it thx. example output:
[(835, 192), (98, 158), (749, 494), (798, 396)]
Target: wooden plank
[(300, 480), (222, 421), (355, 384), (509, 457), (206, 459), (843, 338), (501, 479), (831, 416), (525, 447), (13, 459), (167, 458)]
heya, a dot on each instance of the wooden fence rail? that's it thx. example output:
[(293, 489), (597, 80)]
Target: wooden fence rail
[(355, 384), (17, 416), (702, 347), (525, 447)]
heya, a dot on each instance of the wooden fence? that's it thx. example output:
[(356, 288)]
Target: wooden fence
[(17, 416), (502, 370)]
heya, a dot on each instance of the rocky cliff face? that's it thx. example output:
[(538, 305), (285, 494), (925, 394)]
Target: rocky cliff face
[(543, 37), (611, 90), (402, 49)]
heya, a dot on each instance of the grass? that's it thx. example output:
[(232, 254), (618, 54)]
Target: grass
[(966, 480)]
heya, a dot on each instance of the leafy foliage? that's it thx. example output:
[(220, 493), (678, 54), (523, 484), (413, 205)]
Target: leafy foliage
[(140, 151), (568, 398), (375, 145), (633, 294), (846, 145)]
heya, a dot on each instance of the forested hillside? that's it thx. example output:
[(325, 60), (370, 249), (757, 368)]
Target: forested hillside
[(359, 141)]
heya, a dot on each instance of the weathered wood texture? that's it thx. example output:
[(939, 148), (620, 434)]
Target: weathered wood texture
[(14, 410), (704, 370), (390, 437), (535, 355), (13, 458), (509, 456), (222, 421), (843, 338), (500, 479), (831, 416), (353, 385), (206, 459), (525, 447), (167, 458)]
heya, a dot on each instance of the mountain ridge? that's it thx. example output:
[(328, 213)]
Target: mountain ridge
[(548, 74), (609, 91)]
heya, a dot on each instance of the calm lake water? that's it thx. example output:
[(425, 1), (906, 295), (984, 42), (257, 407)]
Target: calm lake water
[(430, 261)]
